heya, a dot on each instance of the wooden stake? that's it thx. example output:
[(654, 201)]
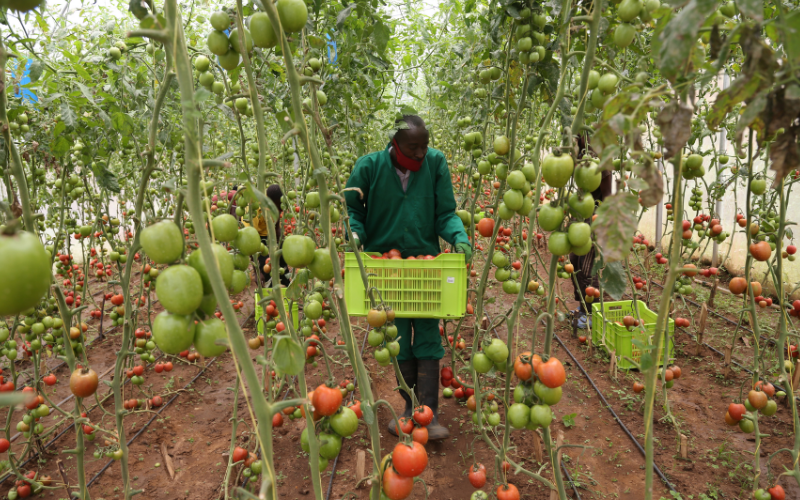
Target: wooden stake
[(63, 477), (684, 447), (701, 327), (728, 354), (557, 465), (361, 458), (796, 376), (167, 461), (612, 367), (537, 448), (713, 293)]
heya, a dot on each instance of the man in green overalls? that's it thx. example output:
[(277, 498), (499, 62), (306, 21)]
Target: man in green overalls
[(407, 203)]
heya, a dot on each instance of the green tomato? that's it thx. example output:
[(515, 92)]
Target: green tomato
[(518, 415), (482, 363), (344, 422), (557, 170)]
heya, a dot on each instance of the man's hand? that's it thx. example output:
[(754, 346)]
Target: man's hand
[(466, 249), (356, 240)]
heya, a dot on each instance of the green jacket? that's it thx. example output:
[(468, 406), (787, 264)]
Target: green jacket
[(411, 221)]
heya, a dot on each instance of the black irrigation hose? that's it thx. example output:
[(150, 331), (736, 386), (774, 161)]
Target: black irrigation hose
[(563, 467), (715, 313), (210, 362), (570, 481), (613, 413), (106, 466), (770, 341), (64, 431)]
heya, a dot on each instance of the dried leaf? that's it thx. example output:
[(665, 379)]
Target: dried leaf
[(715, 43), (750, 113), (615, 225), (675, 122), (757, 74), (779, 117), (648, 172), (680, 36)]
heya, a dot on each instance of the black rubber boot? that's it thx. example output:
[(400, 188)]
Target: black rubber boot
[(409, 371), (428, 383)]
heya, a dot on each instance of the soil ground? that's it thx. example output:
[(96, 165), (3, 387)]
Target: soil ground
[(193, 433)]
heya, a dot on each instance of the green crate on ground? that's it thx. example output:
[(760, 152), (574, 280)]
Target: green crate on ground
[(293, 314), (618, 338), (434, 288)]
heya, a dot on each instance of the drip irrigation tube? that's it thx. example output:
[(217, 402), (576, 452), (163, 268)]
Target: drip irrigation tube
[(570, 481), (210, 362), (563, 467), (613, 413), (107, 465), (64, 431), (714, 349)]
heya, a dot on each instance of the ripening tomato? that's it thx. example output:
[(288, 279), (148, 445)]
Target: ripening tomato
[(477, 475), (509, 492), (423, 415), (396, 486), (552, 373), (410, 460), (327, 400), (239, 454), (83, 382), (420, 435)]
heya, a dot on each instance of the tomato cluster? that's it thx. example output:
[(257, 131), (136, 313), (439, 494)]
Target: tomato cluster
[(758, 401)]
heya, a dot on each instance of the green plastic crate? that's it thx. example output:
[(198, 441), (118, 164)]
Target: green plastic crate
[(293, 313), (435, 288), (618, 338)]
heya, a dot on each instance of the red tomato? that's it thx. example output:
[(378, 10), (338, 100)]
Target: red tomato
[(423, 415), (509, 492), (410, 460), (477, 475), (326, 400), (239, 454), (396, 486), (777, 493), (551, 373)]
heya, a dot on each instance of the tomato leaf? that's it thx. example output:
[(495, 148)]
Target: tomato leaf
[(60, 146), (105, 178), (613, 279), (288, 355), (645, 361), (615, 224), (67, 115), (342, 17), (122, 123), (380, 36), (680, 36), (36, 70), (792, 33), (368, 412)]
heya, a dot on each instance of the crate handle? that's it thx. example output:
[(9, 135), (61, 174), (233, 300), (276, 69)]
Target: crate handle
[(614, 308)]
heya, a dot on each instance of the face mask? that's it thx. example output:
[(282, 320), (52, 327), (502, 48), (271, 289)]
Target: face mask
[(404, 160)]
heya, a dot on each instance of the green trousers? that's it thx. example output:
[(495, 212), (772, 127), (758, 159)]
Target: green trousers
[(427, 343)]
